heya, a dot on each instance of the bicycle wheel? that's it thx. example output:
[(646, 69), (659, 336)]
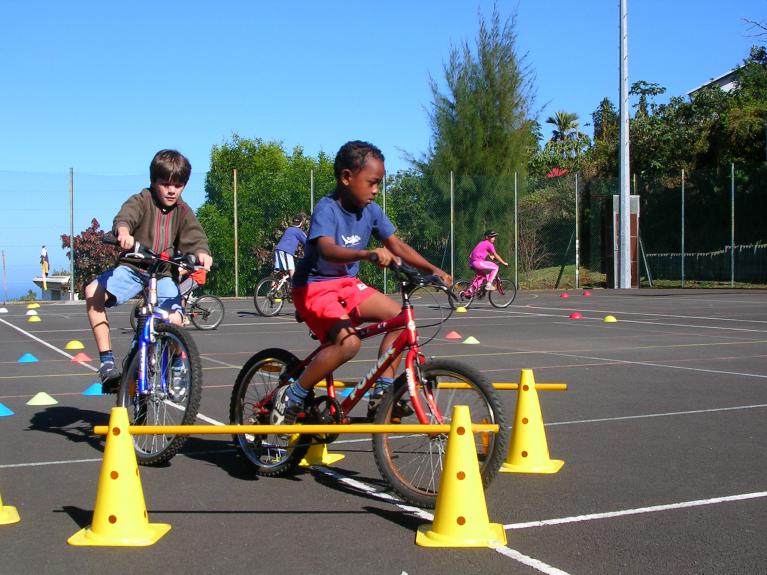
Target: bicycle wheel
[(428, 297), (162, 404), (460, 300), (412, 464), (267, 299), (271, 455), (134, 315), (504, 293), (207, 312)]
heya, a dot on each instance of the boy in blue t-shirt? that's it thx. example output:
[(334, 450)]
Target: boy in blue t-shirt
[(326, 291), (285, 250)]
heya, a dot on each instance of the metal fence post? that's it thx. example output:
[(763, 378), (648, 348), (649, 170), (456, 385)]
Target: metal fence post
[(384, 210), (236, 242), (71, 234), (516, 235), (311, 190), (683, 228), (452, 226), (732, 224), (577, 238)]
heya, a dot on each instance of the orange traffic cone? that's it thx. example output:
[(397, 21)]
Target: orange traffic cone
[(529, 451), (460, 517), (119, 517)]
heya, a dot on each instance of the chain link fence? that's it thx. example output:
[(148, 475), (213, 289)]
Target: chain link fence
[(695, 229)]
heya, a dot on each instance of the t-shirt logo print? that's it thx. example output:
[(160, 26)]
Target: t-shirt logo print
[(351, 240)]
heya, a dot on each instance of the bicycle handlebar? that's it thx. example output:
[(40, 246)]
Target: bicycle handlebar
[(139, 253), (413, 276)]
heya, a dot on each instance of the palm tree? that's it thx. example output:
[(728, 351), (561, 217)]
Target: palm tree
[(565, 126)]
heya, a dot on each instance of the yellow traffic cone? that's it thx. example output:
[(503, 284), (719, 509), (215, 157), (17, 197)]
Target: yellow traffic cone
[(318, 455), (529, 452), (460, 517), (8, 514), (119, 517)]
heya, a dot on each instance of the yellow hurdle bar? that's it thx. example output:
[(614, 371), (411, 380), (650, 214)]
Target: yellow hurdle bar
[(317, 429), (505, 386), (461, 385)]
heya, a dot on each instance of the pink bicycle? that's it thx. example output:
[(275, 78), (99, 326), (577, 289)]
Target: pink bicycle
[(466, 291)]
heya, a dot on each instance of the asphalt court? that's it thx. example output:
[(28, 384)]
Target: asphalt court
[(662, 430)]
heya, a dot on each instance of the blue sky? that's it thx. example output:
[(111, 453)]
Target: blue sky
[(100, 87)]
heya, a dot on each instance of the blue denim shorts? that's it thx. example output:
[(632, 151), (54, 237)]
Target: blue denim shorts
[(123, 283)]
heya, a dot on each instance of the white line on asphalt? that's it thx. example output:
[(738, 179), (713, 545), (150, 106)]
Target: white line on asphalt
[(655, 508), (218, 361), (40, 463), (425, 515), (667, 414), (57, 350), (650, 364), (46, 344), (647, 314)]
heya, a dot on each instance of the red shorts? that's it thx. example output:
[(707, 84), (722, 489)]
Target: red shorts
[(322, 304)]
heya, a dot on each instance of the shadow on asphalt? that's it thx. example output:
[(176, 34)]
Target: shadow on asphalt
[(398, 517), (81, 517), (73, 423)]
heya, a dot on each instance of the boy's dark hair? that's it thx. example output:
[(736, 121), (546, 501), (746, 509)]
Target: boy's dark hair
[(298, 219), (352, 156), (169, 166)]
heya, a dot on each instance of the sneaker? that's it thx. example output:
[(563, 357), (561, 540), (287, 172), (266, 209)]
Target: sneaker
[(490, 287), (375, 398), (285, 410), (185, 321), (179, 382), (110, 377), (400, 410)]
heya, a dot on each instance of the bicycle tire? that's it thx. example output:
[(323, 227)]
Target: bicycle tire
[(207, 312), (268, 302), (429, 297), (134, 315), (269, 455), (460, 300), (412, 464), (158, 406), (504, 293)]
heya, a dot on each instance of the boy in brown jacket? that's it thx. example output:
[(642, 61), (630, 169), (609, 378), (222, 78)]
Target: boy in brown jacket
[(159, 219)]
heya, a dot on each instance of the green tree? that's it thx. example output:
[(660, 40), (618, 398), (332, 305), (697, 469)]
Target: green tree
[(481, 130), (565, 126), (92, 256), (272, 186)]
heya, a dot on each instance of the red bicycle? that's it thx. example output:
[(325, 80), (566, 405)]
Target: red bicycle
[(424, 393)]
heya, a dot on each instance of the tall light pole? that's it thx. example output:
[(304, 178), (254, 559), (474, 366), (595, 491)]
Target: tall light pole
[(625, 173)]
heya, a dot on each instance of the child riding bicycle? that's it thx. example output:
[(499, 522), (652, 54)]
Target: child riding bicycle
[(158, 218), (326, 291), (285, 250), (479, 262)]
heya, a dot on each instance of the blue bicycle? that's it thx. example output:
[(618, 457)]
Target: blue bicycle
[(162, 376)]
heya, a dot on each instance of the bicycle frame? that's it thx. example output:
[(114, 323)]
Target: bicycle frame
[(145, 336), (406, 341), (280, 283)]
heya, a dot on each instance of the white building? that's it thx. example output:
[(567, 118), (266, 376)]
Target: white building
[(58, 288), (727, 82)]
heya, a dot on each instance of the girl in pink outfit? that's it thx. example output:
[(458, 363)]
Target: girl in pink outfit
[(479, 262)]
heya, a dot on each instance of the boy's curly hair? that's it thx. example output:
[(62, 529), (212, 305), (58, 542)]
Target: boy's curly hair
[(352, 156)]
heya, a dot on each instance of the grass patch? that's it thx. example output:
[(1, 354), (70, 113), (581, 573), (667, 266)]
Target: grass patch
[(546, 278)]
